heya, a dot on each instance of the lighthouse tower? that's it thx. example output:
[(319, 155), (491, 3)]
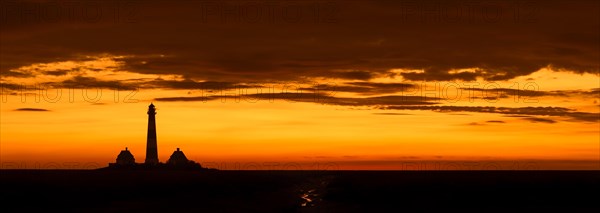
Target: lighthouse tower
[(151, 148)]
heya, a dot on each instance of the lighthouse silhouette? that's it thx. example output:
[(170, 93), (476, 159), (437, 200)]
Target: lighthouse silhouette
[(177, 161), (151, 147)]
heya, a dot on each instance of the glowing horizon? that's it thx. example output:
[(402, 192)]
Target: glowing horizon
[(314, 92), (232, 129)]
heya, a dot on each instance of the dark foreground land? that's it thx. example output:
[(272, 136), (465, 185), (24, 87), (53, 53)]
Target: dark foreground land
[(298, 191)]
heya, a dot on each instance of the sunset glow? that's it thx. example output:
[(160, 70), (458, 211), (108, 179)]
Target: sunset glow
[(309, 95)]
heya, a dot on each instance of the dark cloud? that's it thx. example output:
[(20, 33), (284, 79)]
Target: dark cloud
[(390, 113), (90, 82), (396, 102), (585, 116), (493, 98), (393, 86), (516, 116), (10, 86), (540, 120), (511, 111), (57, 72), (132, 84), (196, 85), (351, 75), (505, 92), (382, 88), (32, 109), (594, 92), (440, 75), (501, 93), (347, 40), (315, 98), (346, 101), (363, 87), (197, 98), (17, 74)]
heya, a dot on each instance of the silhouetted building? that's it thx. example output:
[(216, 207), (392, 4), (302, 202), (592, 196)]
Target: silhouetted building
[(151, 143), (124, 159), (177, 161), (178, 158)]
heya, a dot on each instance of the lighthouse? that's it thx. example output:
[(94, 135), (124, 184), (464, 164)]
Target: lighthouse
[(177, 161), (151, 147)]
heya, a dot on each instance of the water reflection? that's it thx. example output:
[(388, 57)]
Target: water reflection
[(311, 192), (308, 198)]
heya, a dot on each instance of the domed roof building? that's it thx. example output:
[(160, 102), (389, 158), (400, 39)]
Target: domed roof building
[(178, 158), (125, 158)]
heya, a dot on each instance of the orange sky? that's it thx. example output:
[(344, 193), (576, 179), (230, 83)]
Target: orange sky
[(506, 92), (226, 132)]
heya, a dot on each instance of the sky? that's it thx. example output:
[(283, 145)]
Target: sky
[(317, 85)]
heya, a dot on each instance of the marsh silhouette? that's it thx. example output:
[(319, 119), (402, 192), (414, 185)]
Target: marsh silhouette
[(282, 191)]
